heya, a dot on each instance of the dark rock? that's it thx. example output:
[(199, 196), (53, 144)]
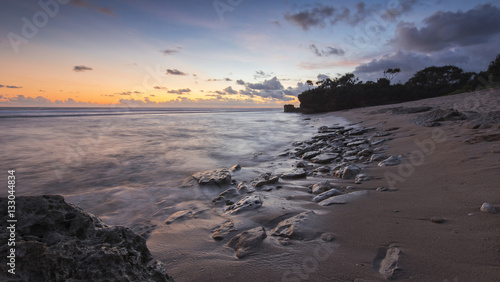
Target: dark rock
[(377, 157), (436, 219), (294, 174), (57, 241), (247, 241), (265, 179), (222, 231), (180, 215), (310, 155), (235, 168), (246, 203), (218, 177), (228, 195), (295, 227), (328, 237), (243, 188), (342, 199)]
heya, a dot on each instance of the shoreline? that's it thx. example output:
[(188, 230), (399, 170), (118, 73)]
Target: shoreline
[(448, 185)]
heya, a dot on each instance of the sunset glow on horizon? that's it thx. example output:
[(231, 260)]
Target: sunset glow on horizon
[(226, 53)]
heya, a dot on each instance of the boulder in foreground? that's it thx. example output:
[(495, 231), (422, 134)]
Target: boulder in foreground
[(57, 241)]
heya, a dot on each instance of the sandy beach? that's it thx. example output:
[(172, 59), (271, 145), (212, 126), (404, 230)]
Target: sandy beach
[(430, 215)]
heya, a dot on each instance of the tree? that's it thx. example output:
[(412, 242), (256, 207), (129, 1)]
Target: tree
[(494, 68), (348, 79), (436, 81), (309, 83), (391, 73)]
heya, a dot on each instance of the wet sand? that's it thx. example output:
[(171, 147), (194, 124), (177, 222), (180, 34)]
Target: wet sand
[(442, 176)]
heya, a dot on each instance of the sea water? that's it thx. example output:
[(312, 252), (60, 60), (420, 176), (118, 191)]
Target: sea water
[(124, 165)]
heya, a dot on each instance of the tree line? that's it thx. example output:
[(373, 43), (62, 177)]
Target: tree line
[(347, 91)]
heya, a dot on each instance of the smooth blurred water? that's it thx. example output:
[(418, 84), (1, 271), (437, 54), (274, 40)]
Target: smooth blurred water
[(124, 165)]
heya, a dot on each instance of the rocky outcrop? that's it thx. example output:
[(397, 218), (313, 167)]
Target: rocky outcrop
[(57, 241), (294, 174), (432, 118), (247, 241), (265, 179), (222, 231)]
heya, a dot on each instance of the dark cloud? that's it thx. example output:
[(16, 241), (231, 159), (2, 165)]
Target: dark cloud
[(322, 77), (315, 17), (328, 51), (272, 84), (1, 96), (179, 91), (398, 8), (444, 30), (128, 93), (81, 68), (85, 4), (160, 87), (42, 101), (10, 86), (240, 82), (175, 72), (270, 89), (323, 15)]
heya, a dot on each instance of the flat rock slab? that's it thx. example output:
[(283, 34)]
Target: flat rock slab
[(324, 158), (218, 177), (325, 195), (343, 199), (389, 265), (265, 179), (294, 174), (245, 204), (295, 227), (391, 161), (222, 231), (247, 241)]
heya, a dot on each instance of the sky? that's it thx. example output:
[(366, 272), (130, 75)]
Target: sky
[(226, 53)]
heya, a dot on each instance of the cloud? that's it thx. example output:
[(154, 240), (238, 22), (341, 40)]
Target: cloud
[(160, 88), (1, 96), (409, 63), (269, 89), (171, 51), (323, 15), (42, 101), (272, 84), (322, 77), (10, 86), (240, 82), (326, 52), (128, 93), (81, 68), (175, 72), (179, 91), (85, 4), (398, 8), (444, 30), (219, 79), (262, 75)]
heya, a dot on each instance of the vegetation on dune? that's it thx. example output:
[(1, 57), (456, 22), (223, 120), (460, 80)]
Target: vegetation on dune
[(347, 91)]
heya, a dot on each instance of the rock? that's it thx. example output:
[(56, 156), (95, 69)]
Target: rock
[(226, 196), (328, 237), (348, 172), (218, 177), (246, 203), (362, 177), (243, 188), (222, 231), (57, 241), (180, 215), (377, 157), (436, 219), (342, 199), (235, 168), (323, 169), (392, 160), (324, 158), (488, 208), (327, 194), (247, 241), (295, 227), (265, 179), (357, 142), (294, 174), (310, 155), (389, 265), (321, 187), (301, 165), (365, 152), (385, 189)]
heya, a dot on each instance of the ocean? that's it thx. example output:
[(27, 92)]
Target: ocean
[(125, 165)]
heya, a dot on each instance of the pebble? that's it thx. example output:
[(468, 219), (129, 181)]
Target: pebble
[(437, 219)]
